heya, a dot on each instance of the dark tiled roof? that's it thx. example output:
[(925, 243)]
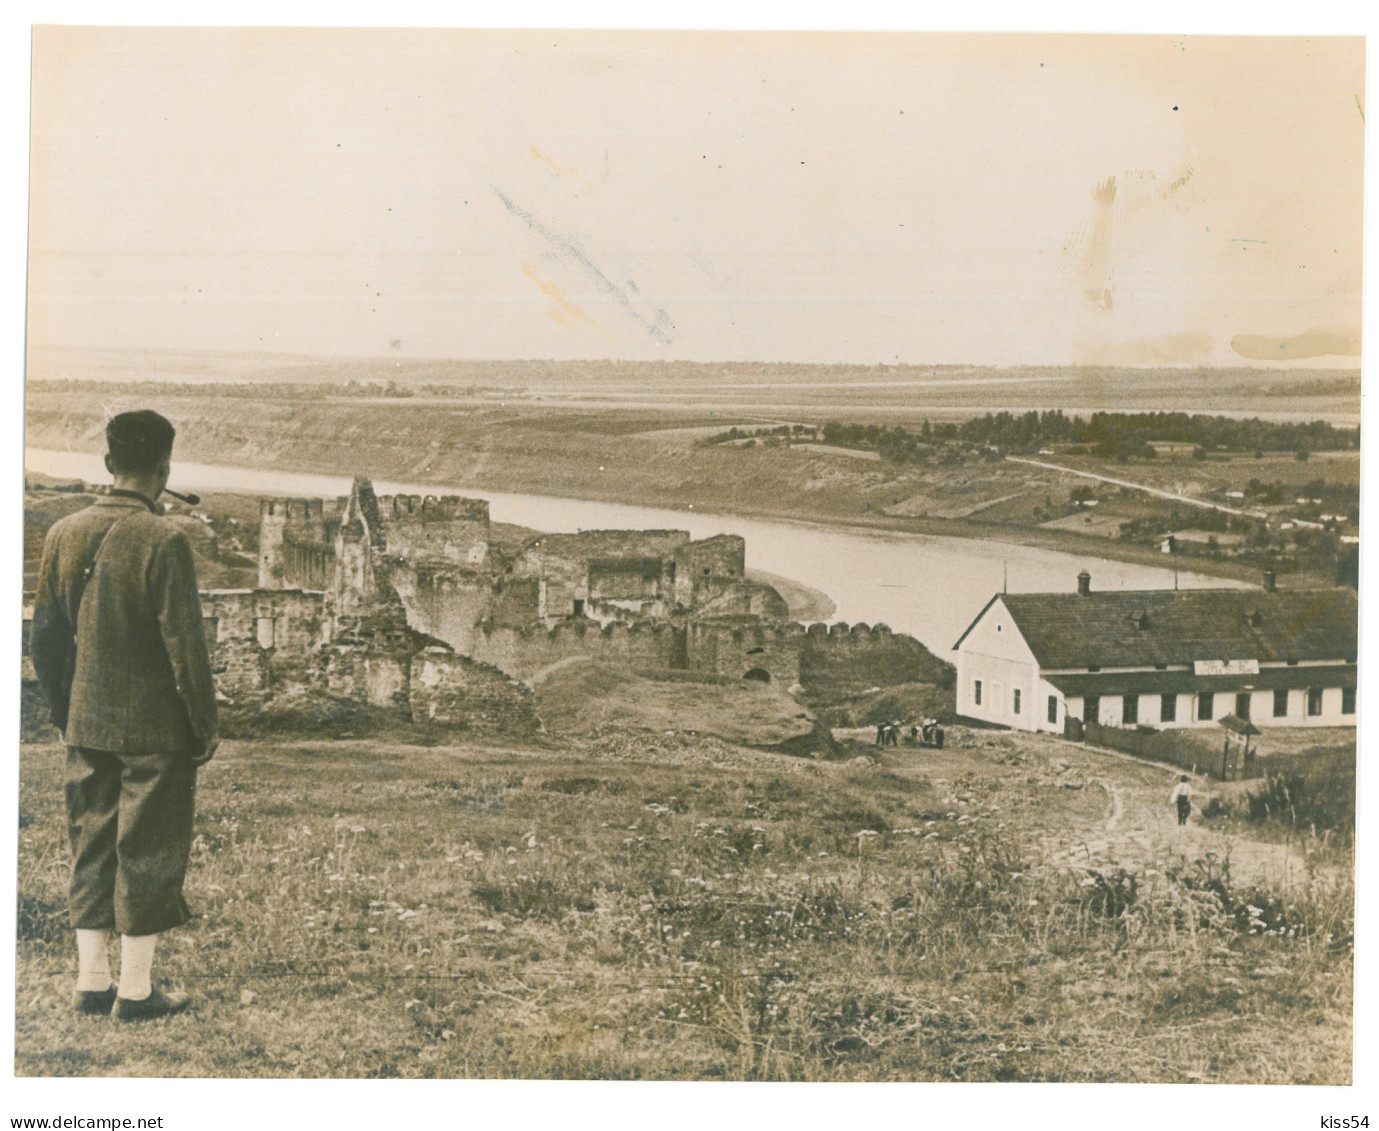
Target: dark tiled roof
[(1168, 626), (1078, 684)]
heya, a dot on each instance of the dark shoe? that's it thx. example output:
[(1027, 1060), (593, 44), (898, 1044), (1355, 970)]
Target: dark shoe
[(94, 1003), (157, 1004)]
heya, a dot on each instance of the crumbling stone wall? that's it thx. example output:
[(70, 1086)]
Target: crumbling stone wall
[(735, 646), (704, 569), (522, 652), (356, 672), (457, 691), (261, 638), (307, 563), (746, 598), (447, 602), (843, 660), (300, 523), (431, 530), (564, 563), (515, 601)]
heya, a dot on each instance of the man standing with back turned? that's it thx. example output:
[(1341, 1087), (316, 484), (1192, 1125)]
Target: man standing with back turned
[(119, 650)]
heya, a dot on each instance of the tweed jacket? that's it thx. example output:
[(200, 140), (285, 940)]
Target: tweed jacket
[(118, 644)]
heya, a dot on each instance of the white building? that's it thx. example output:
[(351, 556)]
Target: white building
[(1166, 658)]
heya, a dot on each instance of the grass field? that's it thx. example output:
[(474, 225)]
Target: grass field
[(661, 906)]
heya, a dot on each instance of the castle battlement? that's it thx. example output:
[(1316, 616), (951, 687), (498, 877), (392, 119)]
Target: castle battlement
[(291, 508), (646, 600), (434, 508)]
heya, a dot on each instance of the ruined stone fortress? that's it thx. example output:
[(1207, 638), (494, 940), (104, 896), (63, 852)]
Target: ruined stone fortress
[(418, 608), (516, 603)]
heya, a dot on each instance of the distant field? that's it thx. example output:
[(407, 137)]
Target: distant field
[(667, 390)]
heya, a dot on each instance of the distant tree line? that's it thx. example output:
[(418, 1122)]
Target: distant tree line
[(1111, 435), (267, 390)]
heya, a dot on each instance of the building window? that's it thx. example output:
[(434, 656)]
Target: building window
[(1314, 701), (263, 629), (1093, 709), (1053, 709), (1206, 703), (1347, 700), (1281, 703), (977, 692), (1015, 700), (1130, 710), (1168, 708), (1242, 704)]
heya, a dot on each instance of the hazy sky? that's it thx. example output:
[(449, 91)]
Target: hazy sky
[(707, 196)]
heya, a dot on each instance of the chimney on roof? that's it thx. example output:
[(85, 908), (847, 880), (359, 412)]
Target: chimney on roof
[(1084, 584), (1270, 581)]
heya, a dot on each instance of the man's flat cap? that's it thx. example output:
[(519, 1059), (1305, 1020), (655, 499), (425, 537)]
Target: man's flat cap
[(144, 431)]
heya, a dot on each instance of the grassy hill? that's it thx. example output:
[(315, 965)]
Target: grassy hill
[(690, 909), (580, 697)]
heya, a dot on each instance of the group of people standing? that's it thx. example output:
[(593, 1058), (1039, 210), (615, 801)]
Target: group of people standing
[(925, 733)]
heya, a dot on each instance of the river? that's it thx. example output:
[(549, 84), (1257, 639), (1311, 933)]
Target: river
[(929, 586)]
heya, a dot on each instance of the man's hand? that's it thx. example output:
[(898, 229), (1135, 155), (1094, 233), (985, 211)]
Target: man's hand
[(208, 751)]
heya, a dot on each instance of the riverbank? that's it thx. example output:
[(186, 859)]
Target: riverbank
[(929, 586), (509, 476), (659, 460)]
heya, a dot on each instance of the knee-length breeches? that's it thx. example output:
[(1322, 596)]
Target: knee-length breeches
[(129, 821)]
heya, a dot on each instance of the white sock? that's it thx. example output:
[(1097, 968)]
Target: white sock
[(136, 966), (93, 960)]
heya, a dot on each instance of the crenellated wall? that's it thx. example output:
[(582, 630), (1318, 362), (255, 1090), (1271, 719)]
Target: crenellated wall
[(847, 660), (820, 656), (646, 600), (734, 646), (522, 652), (427, 529), (299, 521)]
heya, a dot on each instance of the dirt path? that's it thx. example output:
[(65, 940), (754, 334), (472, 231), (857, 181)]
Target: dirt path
[(1158, 492), (1140, 827)]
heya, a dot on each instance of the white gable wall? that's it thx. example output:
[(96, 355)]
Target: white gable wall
[(995, 655)]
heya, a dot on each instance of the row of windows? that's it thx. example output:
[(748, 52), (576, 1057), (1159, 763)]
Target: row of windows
[(1168, 704), (1206, 706)]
